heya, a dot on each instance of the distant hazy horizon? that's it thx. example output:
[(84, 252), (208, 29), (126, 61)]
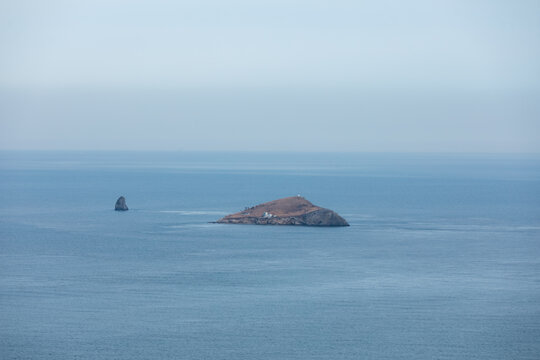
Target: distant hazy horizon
[(308, 76)]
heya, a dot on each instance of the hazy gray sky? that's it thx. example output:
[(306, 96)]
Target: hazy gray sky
[(270, 75)]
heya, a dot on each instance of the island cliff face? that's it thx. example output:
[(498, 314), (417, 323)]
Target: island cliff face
[(287, 211)]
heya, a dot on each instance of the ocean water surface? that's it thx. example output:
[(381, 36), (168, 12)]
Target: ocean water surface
[(441, 261)]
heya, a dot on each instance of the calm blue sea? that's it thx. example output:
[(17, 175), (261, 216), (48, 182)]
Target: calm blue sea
[(441, 261)]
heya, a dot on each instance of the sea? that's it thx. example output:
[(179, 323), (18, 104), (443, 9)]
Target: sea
[(441, 261)]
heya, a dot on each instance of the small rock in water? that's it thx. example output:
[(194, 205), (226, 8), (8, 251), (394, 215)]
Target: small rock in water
[(121, 204)]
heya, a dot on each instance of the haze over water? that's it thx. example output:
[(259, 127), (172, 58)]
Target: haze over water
[(441, 259), (280, 75)]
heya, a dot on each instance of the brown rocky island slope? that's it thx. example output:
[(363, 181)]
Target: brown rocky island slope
[(287, 211)]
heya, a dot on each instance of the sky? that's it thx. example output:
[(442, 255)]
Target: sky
[(375, 76)]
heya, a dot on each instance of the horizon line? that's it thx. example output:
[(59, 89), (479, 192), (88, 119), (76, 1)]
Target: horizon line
[(276, 151)]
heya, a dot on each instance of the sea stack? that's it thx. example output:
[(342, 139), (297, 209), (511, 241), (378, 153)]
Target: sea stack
[(293, 210), (121, 204)]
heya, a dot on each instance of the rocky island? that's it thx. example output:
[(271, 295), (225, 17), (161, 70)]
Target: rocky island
[(121, 204), (293, 210)]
